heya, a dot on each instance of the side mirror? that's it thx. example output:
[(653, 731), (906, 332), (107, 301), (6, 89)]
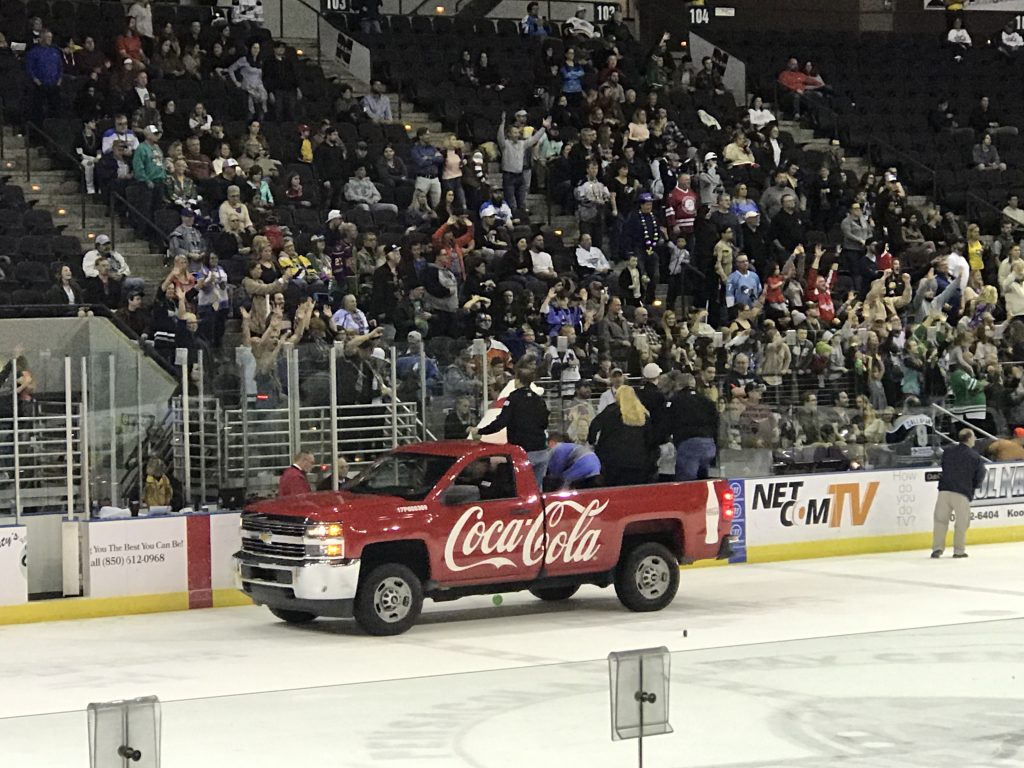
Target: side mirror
[(460, 494)]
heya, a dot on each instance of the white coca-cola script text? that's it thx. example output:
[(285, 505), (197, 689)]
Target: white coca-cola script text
[(476, 542)]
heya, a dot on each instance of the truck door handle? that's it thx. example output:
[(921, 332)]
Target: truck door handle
[(522, 511)]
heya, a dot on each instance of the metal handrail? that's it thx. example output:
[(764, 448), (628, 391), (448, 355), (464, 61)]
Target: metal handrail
[(53, 146), (149, 223), (911, 159), (981, 202), (959, 419), (811, 106), (319, 17)]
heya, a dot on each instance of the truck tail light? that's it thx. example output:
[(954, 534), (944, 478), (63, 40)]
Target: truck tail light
[(727, 504)]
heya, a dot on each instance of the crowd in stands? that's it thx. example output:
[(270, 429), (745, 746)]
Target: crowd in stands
[(709, 243)]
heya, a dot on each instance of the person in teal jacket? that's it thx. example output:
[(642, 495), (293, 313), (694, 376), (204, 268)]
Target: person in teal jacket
[(148, 161)]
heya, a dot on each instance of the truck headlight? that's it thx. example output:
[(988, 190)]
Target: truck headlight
[(325, 531), (333, 550)]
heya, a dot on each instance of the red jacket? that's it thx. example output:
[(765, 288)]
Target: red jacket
[(796, 81), (293, 482), (462, 242), (681, 209), (826, 309)]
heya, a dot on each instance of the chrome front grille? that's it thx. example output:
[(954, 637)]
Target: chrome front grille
[(282, 526), (273, 548), (273, 536)]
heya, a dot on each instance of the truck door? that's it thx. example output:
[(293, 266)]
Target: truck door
[(493, 533)]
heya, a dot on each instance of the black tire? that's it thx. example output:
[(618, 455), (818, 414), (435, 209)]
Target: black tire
[(555, 594), (647, 577), (389, 600), (293, 617)]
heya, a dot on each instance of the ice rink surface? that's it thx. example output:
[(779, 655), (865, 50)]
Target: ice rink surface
[(887, 661)]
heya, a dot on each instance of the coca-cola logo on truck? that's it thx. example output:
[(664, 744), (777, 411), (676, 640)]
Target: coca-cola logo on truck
[(520, 542)]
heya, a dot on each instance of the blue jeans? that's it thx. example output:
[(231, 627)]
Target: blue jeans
[(539, 461), (693, 458), (514, 187)]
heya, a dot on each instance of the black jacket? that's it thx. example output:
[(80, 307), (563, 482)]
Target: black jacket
[(108, 295), (330, 162), (963, 470), (384, 294), (280, 75), (618, 445), (525, 416), (654, 402), (692, 415)]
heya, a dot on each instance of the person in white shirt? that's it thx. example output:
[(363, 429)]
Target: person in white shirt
[(104, 250), (543, 264), (1014, 212), (592, 260), (142, 12), (579, 26), (119, 268), (959, 39), (759, 116), (1011, 41), (350, 319)]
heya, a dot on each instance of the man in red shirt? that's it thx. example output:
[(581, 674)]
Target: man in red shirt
[(798, 83), (819, 288), (293, 480), (681, 208)]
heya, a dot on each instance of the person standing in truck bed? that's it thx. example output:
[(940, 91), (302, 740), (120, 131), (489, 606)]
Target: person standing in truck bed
[(525, 416)]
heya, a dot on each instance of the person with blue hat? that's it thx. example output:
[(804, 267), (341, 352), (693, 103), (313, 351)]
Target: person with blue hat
[(642, 235)]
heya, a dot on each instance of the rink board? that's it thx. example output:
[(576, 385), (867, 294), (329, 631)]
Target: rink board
[(776, 518), (848, 513), (136, 565)]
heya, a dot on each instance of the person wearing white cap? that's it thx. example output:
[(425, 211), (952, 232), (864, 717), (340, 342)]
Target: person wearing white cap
[(649, 394), (104, 249), (381, 370), (579, 26), (491, 240), (709, 182)]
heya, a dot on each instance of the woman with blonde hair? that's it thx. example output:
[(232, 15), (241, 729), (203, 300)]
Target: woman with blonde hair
[(623, 440), (976, 251)]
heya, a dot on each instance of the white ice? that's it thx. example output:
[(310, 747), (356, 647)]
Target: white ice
[(882, 661)]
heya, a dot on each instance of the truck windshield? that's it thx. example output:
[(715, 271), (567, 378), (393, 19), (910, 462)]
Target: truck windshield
[(409, 475)]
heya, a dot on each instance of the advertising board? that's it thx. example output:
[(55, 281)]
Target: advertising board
[(13, 565), (1006, 6), (843, 513)]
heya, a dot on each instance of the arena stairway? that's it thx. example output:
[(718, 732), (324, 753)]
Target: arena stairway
[(59, 190)]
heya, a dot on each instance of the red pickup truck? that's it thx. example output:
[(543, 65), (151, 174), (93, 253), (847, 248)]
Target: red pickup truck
[(449, 519)]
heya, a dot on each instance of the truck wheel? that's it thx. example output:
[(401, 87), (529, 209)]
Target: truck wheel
[(647, 577), (389, 600), (293, 617), (554, 594)]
